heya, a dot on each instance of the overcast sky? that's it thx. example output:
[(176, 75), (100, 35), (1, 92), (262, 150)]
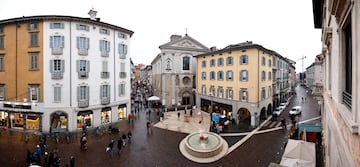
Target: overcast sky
[(285, 26)]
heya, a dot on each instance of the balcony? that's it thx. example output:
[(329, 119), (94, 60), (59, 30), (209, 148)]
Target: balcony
[(104, 54), (83, 103), (122, 56), (347, 99), (83, 52), (57, 75), (105, 75), (105, 100), (57, 51), (83, 74), (122, 74)]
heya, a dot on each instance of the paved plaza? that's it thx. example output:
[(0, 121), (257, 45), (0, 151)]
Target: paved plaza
[(159, 147)]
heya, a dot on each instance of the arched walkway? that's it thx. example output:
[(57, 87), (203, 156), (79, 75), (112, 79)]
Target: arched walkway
[(59, 121), (244, 117), (263, 113), (269, 109)]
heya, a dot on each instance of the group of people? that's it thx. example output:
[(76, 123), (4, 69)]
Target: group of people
[(121, 143), (44, 158)]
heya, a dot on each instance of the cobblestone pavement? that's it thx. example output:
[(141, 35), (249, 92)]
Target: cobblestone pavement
[(158, 148)]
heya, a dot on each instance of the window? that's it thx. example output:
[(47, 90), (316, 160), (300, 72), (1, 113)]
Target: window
[(122, 89), (229, 93), (203, 63), (263, 93), (122, 50), (2, 60), (220, 92), (1, 30), (57, 94), (186, 80), (244, 75), (34, 93), (220, 61), (105, 94), (220, 75), (34, 61), (244, 59), (2, 92), (212, 62), (269, 62), (57, 68), (34, 39), (203, 89), (82, 45), (122, 35), (56, 44), (229, 61), (32, 26), (56, 25), (104, 72), (212, 75), (104, 31), (186, 63), (269, 91), (243, 94), (2, 42), (104, 48), (122, 70), (82, 27), (229, 75), (269, 75), (263, 75), (203, 75), (83, 68), (263, 61), (83, 95), (347, 93), (212, 90)]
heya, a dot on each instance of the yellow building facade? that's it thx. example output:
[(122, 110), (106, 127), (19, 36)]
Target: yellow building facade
[(237, 82), (21, 49)]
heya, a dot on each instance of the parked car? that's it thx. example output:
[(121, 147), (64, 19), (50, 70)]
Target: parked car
[(283, 105), (295, 110), (278, 111)]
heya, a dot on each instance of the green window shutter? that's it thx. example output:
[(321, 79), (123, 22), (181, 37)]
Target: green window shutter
[(62, 41), (51, 41), (39, 94), (87, 93), (78, 65), (51, 65), (78, 42), (87, 41), (62, 65), (87, 66), (78, 93)]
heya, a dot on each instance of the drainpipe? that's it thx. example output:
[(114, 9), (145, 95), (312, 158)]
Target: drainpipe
[(70, 69), (16, 60)]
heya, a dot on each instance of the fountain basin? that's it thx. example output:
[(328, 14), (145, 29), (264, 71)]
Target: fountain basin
[(209, 148)]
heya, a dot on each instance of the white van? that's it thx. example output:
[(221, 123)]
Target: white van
[(295, 110)]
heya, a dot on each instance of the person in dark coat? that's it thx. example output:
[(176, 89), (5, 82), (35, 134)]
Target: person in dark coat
[(72, 161), (110, 148), (120, 145)]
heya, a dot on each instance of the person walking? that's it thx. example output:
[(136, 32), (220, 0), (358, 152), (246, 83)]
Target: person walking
[(129, 135), (178, 115), (110, 147), (72, 161), (120, 145), (123, 137), (191, 112), (83, 141)]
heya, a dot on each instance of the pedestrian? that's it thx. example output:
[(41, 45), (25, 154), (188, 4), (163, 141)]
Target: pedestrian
[(123, 137), (302, 99), (83, 141), (120, 145), (178, 115), (109, 148), (191, 112), (148, 126), (129, 135), (185, 111), (72, 161)]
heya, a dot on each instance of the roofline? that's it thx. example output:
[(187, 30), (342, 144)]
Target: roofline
[(64, 18)]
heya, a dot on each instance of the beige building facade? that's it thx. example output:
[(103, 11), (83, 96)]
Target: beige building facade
[(339, 21), (236, 82)]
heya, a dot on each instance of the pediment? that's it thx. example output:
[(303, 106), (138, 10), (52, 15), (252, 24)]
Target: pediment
[(184, 43)]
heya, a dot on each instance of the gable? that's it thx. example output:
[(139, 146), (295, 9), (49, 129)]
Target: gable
[(185, 43)]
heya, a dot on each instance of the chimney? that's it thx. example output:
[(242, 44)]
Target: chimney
[(92, 14), (174, 37), (213, 49)]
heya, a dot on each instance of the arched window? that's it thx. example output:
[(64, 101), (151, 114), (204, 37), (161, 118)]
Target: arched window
[(220, 62), (186, 63), (203, 75), (243, 94), (244, 59), (263, 75), (220, 76), (203, 63), (212, 62), (212, 75), (269, 75), (263, 61), (229, 75), (229, 61), (244, 75)]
